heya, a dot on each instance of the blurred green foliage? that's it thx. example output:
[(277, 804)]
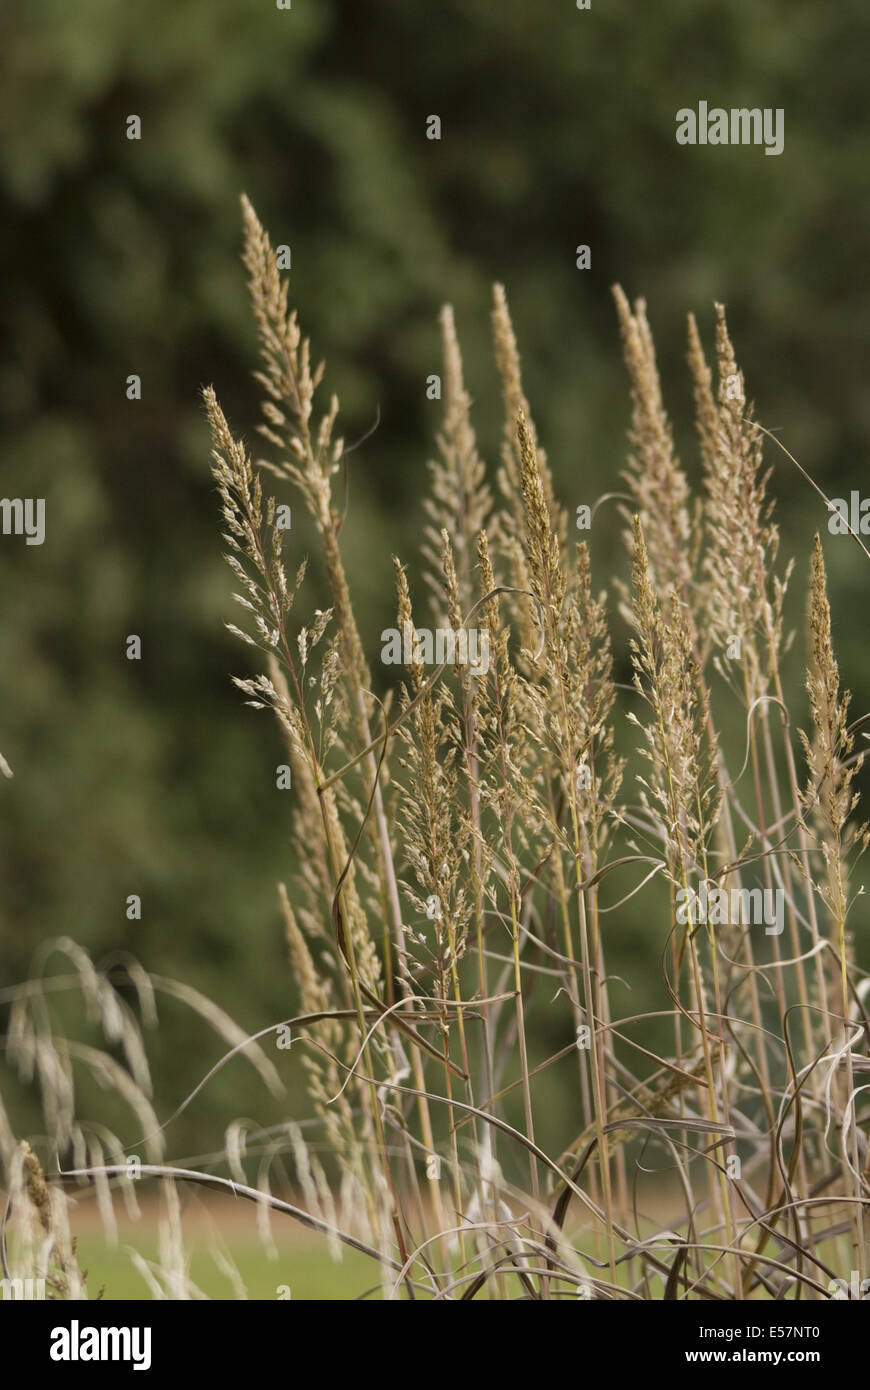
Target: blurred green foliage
[(121, 257)]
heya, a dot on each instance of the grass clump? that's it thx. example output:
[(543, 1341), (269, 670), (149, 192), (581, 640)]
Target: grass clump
[(464, 846)]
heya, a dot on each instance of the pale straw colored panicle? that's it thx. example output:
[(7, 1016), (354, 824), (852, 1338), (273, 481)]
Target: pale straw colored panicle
[(501, 700), (656, 479), (506, 759), (573, 722), (743, 595), (287, 379), (460, 500), (310, 457), (549, 583), (450, 582), (516, 810), (560, 695), (460, 728), (255, 559), (434, 835), (540, 691), (542, 545), (589, 660), (682, 778), (498, 635), (469, 684), (507, 524), (509, 550), (239, 487), (414, 664), (707, 430), (828, 797), (706, 411), (510, 475), (254, 542)]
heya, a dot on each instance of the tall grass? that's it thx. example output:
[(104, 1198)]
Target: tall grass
[(465, 848)]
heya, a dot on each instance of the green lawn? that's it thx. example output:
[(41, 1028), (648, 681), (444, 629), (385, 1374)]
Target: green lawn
[(306, 1267)]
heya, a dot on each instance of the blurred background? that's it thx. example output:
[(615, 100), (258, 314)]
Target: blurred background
[(118, 257)]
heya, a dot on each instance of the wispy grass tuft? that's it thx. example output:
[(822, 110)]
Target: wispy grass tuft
[(463, 851)]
